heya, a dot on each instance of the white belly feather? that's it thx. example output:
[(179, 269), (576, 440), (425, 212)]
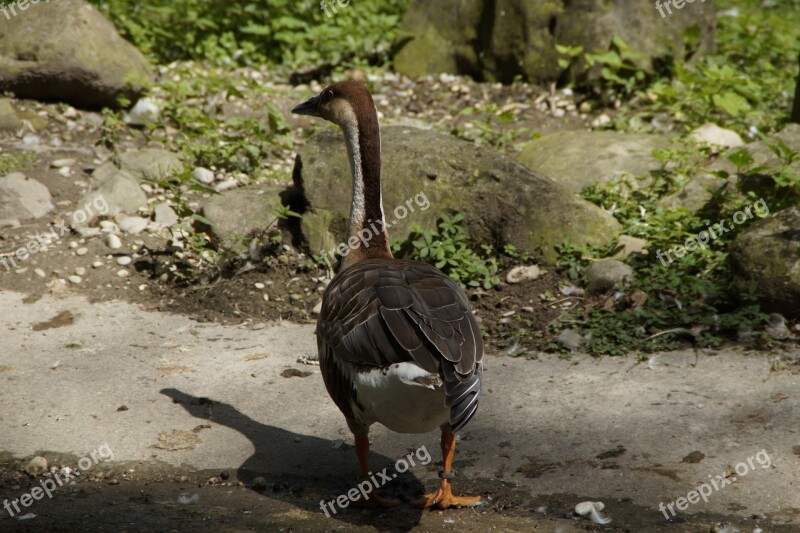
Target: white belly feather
[(392, 397)]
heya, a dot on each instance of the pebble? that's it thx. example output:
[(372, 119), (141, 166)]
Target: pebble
[(266, 297), (230, 183), (82, 251), (39, 272), (203, 175), (97, 264), (259, 285), (124, 260), (36, 466), (108, 226), (81, 271), (165, 215), (317, 309), (75, 279), (146, 111), (122, 273), (113, 241), (522, 273), (570, 339), (259, 483), (133, 224), (61, 163), (65, 171)]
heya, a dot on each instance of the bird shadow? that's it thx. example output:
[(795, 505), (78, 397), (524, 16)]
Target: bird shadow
[(303, 469)]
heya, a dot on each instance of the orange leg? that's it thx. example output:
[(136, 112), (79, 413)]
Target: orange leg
[(373, 500), (443, 498)]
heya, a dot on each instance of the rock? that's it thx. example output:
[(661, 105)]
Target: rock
[(496, 40), (627, 245), (259, 483), (145, 112), (151, 163), (714, 135), (36, 466), (762, 155), (119, 191), (605, 274), (67, 51), (317, 309), (426, 174), (9, 121), (133, 224), (699, 191), (522, 273), (578, 159), (75, 279), (81, 251), (241, 212), (113, 242), (165, 215), (124, 260), (23, 198), (570, 339), (776, 327), (62, 163), (122, 273), (203, 175), (766, 255)]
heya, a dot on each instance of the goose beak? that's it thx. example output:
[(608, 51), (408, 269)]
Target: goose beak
[(309, 107)]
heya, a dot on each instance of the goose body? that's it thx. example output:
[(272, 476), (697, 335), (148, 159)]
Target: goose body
[(397, 341)]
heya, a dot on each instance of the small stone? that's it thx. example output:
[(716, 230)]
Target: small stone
[(81, 271), (39, 272), (570, 339), (230, 183), (36, 466), (266, 297), (522, 273), (203, 175), (65, 172), (113, 482), (146, 111), (712, 134), (97, 264), (113, 242), (259, 285), (165, 215), (82, 251), (133, 224), (124, 260), (122, 273), (61, 163), (605, 274), (75, 279), (259, 483), (317, 309)]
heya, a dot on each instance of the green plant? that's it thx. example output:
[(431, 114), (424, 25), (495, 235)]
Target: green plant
[(446, 248), (491, 126), (294, 33), (619, 71)]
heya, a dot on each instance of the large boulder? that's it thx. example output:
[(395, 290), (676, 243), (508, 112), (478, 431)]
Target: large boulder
[(67, 51), (578, 159), (767, 255), (427, 174), (501, 39)]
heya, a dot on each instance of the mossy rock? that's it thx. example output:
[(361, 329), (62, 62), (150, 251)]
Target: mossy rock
[(67, 51), (767, 255), (427, 173)]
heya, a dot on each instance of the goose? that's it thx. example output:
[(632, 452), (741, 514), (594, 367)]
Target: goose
[(398, 344)]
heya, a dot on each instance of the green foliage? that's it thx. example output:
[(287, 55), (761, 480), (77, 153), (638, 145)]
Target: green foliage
[(491, 126), (290, 32), (693, 293), (618, 69), (747, 82), (446, 248)]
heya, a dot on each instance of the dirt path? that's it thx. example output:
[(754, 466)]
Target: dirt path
[(203, 409)]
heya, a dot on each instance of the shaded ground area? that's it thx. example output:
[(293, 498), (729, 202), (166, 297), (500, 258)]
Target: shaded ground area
[(184, 405)]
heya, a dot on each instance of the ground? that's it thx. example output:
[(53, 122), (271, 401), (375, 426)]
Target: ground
[(193, 413)]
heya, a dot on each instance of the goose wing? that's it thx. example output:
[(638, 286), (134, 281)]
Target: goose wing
[(380, 312)]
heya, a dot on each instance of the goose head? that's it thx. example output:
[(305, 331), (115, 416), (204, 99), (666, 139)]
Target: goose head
[(346, 103)]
